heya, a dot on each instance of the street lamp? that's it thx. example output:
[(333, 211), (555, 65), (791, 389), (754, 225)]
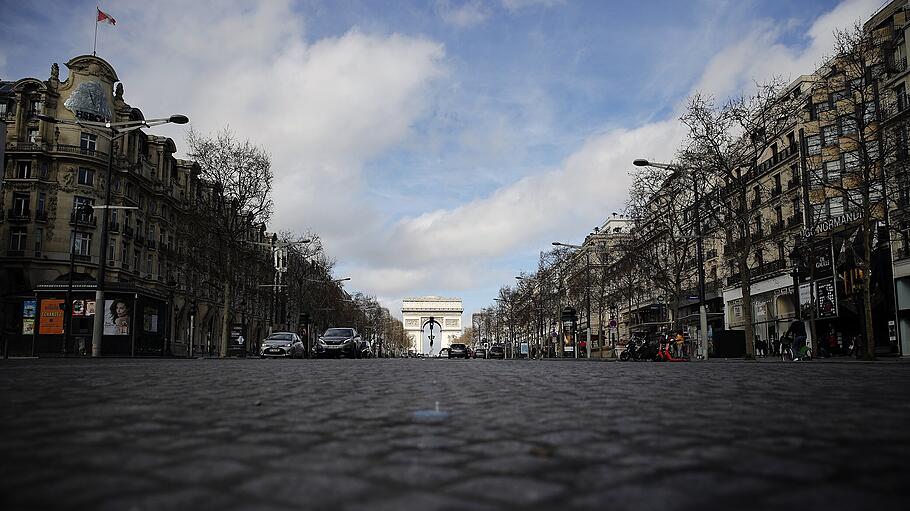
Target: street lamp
[(113, 130), (587, 293), (699, 247)]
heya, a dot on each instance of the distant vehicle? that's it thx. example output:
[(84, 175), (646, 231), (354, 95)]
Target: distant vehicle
[(480, 353), (458, 350), (412, 353), (444, 352), (338, 342), (282, 344), (497, 352)]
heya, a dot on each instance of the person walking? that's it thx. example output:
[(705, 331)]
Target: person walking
[(797, 333), (679, 340)]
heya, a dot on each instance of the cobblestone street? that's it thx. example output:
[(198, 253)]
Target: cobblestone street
[(348, 434)]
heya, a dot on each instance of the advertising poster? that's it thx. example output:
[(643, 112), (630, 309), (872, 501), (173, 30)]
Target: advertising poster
[(826, 298), (150, 320), (90, 307), (51, 321), (28, 326), (78, 307), (568, 342), (116, 317), (29, 307)]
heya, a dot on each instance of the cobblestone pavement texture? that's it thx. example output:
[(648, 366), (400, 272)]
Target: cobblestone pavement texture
[(301, 434)]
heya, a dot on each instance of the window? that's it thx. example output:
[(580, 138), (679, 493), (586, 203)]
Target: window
[(34, 107), (115, 182), (42, 201), (829, 135), (835, 206), (24, 170), (780, 250), (794, 206), (833, 171), (869, 112), (39, 237), (148, 264), (872, 151), (779, 214), (847, 124), (854, 199), (875, 193), (110, 251), (78, 202), (32, 135), (88, 142), (813, 144), (791, 140), (851, 161), (135, 260), (777, 182), (17, 238), (86, 176), (124, 251), (43, 170), (819, 212), (3, 108), (20, 203), (82, 243)]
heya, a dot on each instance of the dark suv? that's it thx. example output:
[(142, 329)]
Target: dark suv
[(458, 350), (336, 342), (497, 352)]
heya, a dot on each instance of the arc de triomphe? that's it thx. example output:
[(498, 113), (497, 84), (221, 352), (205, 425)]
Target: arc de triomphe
[(416, 311)]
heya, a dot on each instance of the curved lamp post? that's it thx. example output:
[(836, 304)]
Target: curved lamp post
[(113, 131)]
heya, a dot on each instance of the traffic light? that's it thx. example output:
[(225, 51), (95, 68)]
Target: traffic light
[(193, 308)]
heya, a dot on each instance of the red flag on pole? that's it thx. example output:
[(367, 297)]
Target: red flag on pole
[(104, 17)]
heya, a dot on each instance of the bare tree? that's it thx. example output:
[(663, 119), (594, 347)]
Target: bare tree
[(234, 199), (725, 143), (853, 159), (659, 207)]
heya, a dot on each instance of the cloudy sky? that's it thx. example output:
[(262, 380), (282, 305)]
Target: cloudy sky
[(437, 146)]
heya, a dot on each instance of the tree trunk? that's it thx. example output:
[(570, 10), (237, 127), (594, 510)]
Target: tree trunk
[(746, 286), (226, 318), (867, 293)]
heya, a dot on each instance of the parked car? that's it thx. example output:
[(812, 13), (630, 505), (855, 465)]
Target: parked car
[(480, 353), (497, 352), (337, 342), (282, 344), (458, 350)]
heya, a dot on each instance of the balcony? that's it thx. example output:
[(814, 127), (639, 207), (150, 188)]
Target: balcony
[(776, 191), (791, 184), (734, 279), (25, 147), (41, 215), (83, 220), (897, 65), (114, 226), (758, 234), (18, 215), (124, 265), (795, 219), (128, 231), (777, 227), (756, 202), (774, 160), (74, 149)]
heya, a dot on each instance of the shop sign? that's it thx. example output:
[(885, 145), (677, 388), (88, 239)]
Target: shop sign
[(51, 321), (833, 223), (823, 259)]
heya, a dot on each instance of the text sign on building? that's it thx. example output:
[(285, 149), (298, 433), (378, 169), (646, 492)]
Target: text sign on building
[(832, 223)]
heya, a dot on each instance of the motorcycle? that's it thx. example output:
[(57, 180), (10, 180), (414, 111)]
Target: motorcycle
[(664, 353)]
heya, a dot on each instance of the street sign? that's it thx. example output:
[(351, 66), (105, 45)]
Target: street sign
[(612, 323)]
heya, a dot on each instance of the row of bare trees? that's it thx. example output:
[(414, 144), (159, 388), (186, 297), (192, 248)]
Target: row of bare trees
[(227, 248), (773, 169)]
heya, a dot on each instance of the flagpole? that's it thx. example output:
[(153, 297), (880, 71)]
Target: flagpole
[(95, 43)]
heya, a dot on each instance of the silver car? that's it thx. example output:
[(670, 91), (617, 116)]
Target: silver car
[(282, 344)]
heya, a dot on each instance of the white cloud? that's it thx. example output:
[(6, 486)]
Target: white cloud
[(566, 202), (468, 14), (514, 5)]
